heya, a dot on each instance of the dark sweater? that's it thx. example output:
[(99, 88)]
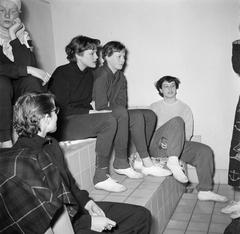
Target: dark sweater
[(12, 70), (23, 57), (51, 147), (110, 90), (72, 88)]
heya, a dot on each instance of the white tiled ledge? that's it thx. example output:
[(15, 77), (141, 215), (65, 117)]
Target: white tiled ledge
[(68, 143)]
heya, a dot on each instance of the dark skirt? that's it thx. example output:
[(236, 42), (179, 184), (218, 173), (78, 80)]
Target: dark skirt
[(234, 163)]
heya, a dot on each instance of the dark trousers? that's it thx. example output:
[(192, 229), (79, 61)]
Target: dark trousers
[(140, 123), (10, 90), (193, 153), (233, 227), (130, 219), (101, 125)]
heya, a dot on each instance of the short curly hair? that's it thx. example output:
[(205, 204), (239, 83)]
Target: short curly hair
[(29, 109), (78, 45), (169, 79)]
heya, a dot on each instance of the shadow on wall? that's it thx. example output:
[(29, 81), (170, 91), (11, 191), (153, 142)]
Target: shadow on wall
[(25, 17), (37, 18)]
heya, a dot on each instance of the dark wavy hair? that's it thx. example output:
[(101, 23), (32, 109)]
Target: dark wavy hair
[(78, 45), (111, 47), (169, 79), (29, 109)]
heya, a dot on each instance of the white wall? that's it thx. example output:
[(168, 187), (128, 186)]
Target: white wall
[(190, 39), (36, 15), (184, 38)]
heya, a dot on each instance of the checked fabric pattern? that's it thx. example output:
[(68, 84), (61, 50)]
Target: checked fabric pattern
[(31, 192)]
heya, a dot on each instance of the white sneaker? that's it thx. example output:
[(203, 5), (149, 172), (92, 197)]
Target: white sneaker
[(182, 165), (129, 172), (176, 169), (135, 161), (211, 196), (110, 185), (233, 208), (159, 161), (138, 164), (155, 171)]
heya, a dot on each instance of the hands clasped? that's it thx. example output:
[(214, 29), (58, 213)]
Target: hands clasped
[(99, 221)]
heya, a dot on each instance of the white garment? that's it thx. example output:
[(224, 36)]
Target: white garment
[(166, 111)]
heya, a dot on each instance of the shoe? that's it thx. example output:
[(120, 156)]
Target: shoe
[(138, 164), (232, 208), (129, 172), (135, 161), (155, 171), (110, 185), (159, 161), (211, 196), (182, 165), (176, 169)]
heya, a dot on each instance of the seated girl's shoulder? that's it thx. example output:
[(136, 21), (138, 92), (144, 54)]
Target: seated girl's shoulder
[(100, 73), (65, 67), (156, 103)]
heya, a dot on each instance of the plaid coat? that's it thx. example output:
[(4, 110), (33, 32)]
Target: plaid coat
[(31, 191)]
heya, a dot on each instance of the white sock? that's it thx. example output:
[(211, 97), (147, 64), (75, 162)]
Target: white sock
[(174, 166)]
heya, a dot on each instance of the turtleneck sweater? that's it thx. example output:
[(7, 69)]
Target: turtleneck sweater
[(166, 111)]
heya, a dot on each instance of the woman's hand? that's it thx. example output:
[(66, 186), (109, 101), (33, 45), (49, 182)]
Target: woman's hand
[(17, 25), (93, 209), (39, 73), (100, 223)]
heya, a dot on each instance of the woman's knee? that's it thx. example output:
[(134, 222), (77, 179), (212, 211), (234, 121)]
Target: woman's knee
[(136, 117), (120, 112), (145, 213), (144, 217), (177, 122), (206, 151), (205, 155), (31, 84), (149, 115)]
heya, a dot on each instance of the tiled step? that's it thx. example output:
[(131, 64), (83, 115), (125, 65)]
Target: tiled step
[(158, 194)]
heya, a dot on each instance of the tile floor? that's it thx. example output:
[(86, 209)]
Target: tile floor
[(198, 217)]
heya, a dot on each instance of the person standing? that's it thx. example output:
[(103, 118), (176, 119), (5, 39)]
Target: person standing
[(234, 162)]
